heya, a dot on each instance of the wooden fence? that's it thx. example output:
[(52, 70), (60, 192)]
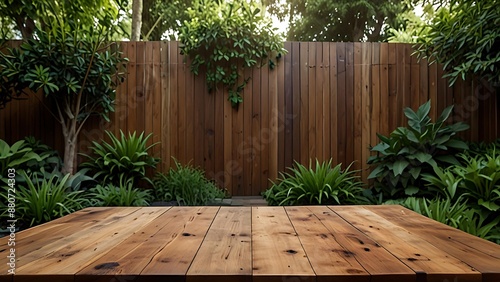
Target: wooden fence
[(323, 100)]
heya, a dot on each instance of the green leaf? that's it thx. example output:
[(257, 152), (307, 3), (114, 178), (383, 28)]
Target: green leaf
[(489, 205), (400, 166), (376, 172), (423, 157), (411, 190)]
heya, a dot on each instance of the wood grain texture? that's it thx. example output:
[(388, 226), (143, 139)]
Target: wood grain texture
[(277, 252), (69, 254), (482, 255), (309, 243), (329, 259), (177, 254), (321, 101), (418, 254), (226, 250)]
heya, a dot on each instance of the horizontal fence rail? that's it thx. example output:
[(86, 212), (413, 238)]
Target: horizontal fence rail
[(322, 100)]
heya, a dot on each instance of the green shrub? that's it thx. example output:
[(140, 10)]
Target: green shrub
[(45, 200), (476, 179), (12, 157), (320, 185), (186, 185), (409, 152), (481, 180), (50, 160), (482, 148), (120, 195), (457, 214), (126, 158)]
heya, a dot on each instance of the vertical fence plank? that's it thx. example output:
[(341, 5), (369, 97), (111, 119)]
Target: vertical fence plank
[(132, 88), (199, 109), (281, 128), (358, 104), (393, 84), (235, 164), (415, 83), (273, 128), (256, 143), (317, 80), (433, 90), (304, 103), (350, 106), (366, 107), (155, 80), (166, 152), (245, 148), (384, 128), (295, 119), (287, 121), (325, 129), (264, 137), (140, 88), (342, 103), (174, 101), (182, 116), (375, 95), (148, 90), (311, 91), (120, 116), (334, 105), (424, 81)]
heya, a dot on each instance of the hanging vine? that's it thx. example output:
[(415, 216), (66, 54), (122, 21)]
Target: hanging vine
[(224, 37)]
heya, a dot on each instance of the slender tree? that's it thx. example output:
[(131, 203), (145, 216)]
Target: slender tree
[(75, 70), (136, 20)]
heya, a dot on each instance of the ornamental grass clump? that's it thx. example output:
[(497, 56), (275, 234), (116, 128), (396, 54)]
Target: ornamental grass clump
[(318, 185)]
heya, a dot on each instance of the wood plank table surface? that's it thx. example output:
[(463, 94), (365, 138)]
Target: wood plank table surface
[(286, 244)]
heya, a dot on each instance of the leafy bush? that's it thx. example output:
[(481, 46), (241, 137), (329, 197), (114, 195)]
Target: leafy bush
[(50, 159), (125, 159), (457, 214), (186, 185), (482, 148), (121, 195), (321, 185), (11, 157), (409, 152), (45, 200), (481, 180), (477, 180)]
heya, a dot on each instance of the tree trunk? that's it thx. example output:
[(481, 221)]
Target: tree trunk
[(70, 140), (136, 20), (26, 26)]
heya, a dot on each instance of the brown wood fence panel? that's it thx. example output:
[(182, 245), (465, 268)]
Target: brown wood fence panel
[(323, 100)]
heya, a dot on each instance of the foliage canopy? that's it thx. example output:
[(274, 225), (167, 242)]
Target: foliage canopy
[(345, 21), (23, 17), (465, 38)]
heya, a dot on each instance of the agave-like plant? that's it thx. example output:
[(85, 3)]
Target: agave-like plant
[(124, 194), (48, 199), (322, 184), (126, 158)]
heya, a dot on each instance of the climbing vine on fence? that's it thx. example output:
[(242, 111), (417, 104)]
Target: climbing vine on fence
[(224, 37)]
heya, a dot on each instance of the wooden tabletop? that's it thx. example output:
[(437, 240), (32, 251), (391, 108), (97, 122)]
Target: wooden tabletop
[(286, 244)]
